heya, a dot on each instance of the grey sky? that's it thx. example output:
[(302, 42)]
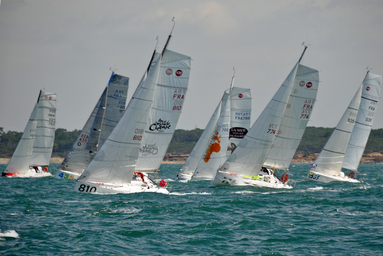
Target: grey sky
[(68, 46)]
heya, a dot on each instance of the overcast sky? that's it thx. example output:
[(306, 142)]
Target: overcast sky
[(69, 46)]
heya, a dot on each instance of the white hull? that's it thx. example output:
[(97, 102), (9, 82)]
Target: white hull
[(201, 178), (184, 176), (29, 174), (66, 175), (136, 186), (230, 179), (316, 176)]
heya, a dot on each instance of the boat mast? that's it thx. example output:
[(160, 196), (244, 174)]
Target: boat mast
[(232, 80), (170, 35), (154, 52), (304, 50)]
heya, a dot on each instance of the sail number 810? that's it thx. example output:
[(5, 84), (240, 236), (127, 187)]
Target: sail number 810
[(84, 188)]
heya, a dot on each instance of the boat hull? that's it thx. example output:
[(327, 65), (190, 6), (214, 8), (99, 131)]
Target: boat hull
[(230, 179), (134, 187), (184, 176), (61, 174), (29, 174), (320, 177)]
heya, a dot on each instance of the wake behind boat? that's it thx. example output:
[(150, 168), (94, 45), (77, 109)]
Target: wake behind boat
[(345, 147), (33, 152), (275, 135)]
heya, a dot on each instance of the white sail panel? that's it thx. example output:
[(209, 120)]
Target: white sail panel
[(364, 120), (215, 152), (170, 94), (19, 162), (240, 113), (331, 157), (116, 160), (295, 118), (45, 115), (250, 154), (195, 156), (117, 92)]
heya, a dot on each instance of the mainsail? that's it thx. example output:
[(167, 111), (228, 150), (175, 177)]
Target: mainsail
[(104, 117), (169, 97), (295, 118), (45, 116), (364, 120)]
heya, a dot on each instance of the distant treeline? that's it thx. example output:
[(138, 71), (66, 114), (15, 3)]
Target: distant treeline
[(184, 141)]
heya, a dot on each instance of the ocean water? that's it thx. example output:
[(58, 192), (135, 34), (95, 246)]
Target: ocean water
[(45, 216)]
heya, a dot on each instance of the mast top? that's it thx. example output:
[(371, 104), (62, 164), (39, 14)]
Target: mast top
[(304, 50), (170, 35), (232, 80)]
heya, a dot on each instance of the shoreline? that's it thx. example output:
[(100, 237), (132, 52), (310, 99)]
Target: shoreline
[(371, 158)]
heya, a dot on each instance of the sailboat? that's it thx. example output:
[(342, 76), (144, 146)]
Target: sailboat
[(345, 147), (33, 153), (226, 128), (113, 169), (97, 129), (275, 135)]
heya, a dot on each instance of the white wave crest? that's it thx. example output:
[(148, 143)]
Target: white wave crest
[(191, 193), (9, 233)]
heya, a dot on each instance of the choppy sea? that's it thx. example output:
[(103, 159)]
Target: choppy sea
[(45, 216)]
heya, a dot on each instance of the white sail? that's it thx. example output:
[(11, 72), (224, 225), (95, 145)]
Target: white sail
[(104, 117), (45, 115), (240, 113), (295, 118), (331, 157), (115, 162), (199, 149), (364, 120), (19, 162), (170, 94), (231, 128), (250, 154), (215, 151)]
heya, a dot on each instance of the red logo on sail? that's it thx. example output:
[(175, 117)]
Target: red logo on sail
[(309, 85), (368, 88), (169, 71), (179, 73), (240, 95)]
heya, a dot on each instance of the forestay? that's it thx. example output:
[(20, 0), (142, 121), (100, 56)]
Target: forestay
[(45, 116), (295, 118), (116, 160), (170, 94), (364, 120)]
